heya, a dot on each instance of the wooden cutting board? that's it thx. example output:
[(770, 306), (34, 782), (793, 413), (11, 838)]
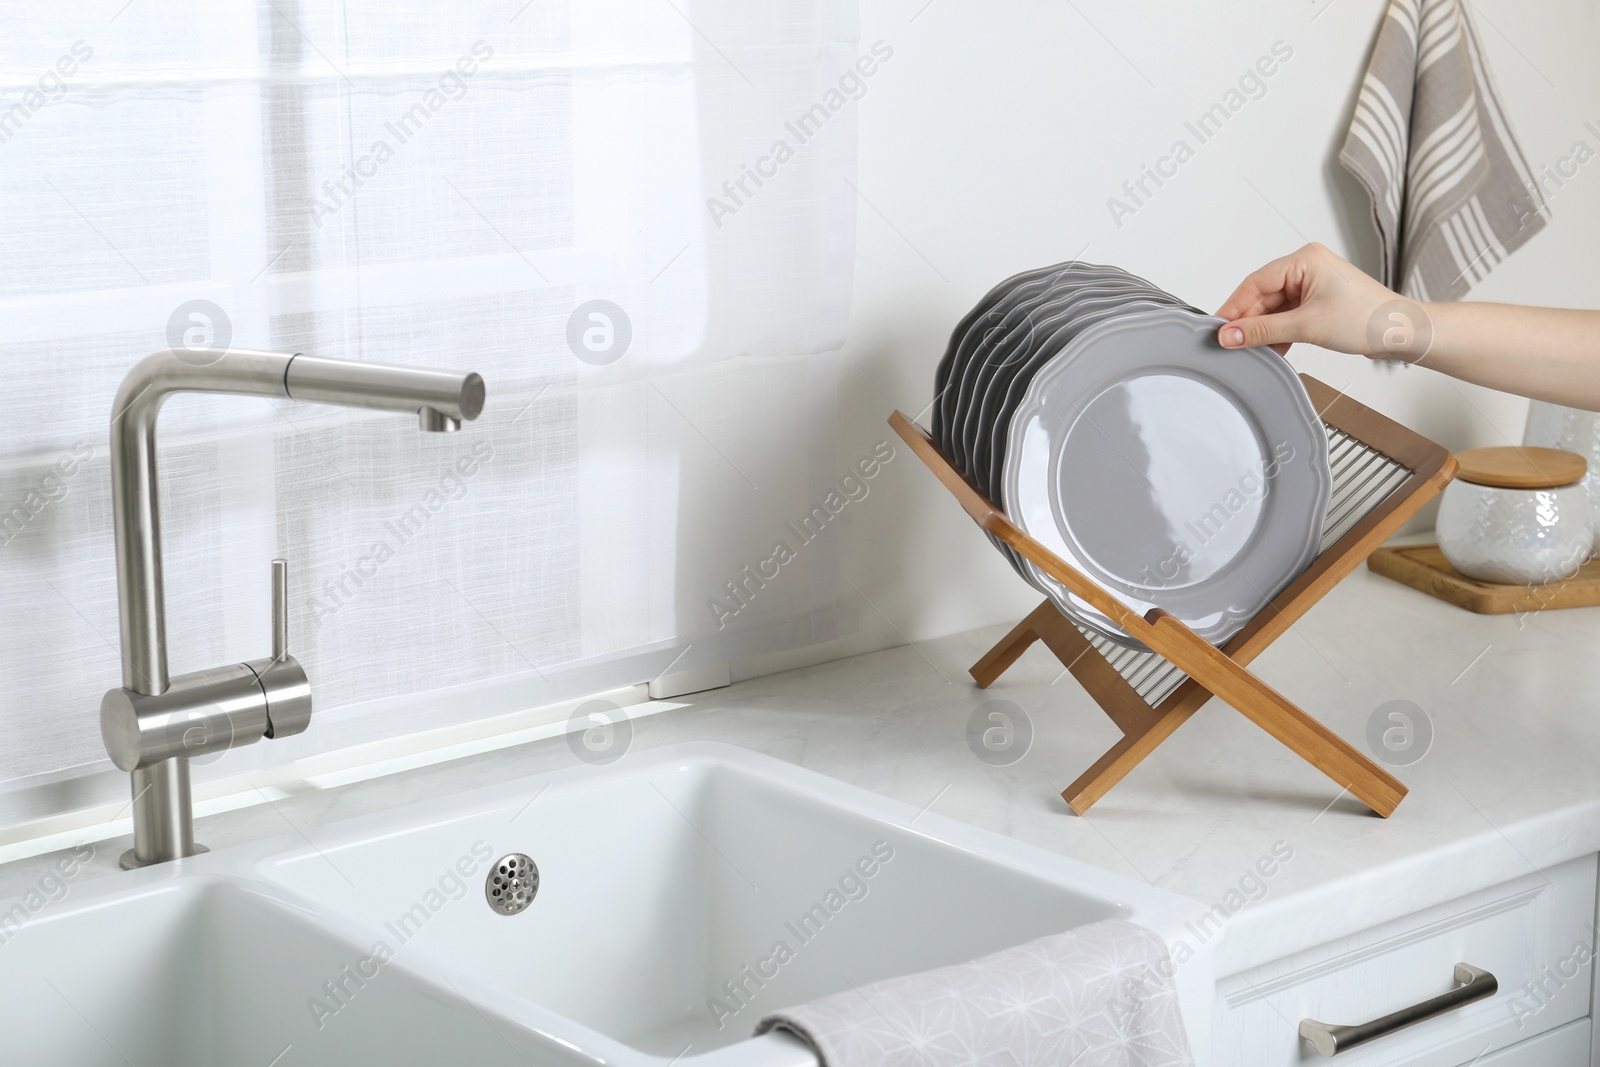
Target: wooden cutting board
[(1424, 567)]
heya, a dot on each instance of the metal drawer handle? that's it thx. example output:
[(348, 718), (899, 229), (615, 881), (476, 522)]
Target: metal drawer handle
[(1331, 1039)]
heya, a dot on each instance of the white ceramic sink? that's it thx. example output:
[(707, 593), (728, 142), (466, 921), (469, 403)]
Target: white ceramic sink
[(683, 894), (196, 971), (686, 892)]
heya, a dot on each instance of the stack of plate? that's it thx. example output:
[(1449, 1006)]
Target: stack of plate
[(1101, 414)]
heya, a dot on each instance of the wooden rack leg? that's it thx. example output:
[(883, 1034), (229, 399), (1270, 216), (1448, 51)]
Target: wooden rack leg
[(1144, 728), (1011, 647), (1276, 714), (1114, 695), (1296, 730), (1128, 753)]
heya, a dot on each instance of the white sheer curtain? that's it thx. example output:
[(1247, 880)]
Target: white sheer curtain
[(438, 185)]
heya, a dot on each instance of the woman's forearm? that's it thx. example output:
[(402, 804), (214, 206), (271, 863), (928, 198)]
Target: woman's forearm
[(1545, 353)]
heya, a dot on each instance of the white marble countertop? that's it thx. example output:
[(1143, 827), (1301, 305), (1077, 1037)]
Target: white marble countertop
[(1510, 784)]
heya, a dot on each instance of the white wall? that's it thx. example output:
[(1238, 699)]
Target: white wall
[(991, 142)]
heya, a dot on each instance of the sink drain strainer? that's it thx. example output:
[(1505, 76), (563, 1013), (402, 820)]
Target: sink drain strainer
[(512, 883)]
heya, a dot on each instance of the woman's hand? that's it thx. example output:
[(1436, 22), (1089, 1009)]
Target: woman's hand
[(1314, 296)]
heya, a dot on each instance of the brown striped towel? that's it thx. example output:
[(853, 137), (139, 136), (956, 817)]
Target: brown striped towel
[(1451, 193)]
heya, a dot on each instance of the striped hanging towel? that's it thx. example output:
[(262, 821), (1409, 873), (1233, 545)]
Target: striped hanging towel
[(1451, 193)]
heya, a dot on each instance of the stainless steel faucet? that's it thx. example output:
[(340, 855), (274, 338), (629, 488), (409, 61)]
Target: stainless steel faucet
[(153, 724)]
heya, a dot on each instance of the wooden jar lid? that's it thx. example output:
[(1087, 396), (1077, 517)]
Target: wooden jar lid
[(1515, 467)]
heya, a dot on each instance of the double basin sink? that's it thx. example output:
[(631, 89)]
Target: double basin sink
[(681, 895)]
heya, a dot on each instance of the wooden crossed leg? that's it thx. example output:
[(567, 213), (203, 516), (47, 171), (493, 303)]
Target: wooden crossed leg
[(1144, 727)]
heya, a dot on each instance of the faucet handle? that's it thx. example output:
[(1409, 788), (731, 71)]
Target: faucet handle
[(213, 710), (288, 693), (280, 608)]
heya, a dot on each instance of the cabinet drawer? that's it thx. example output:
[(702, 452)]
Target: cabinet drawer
[(1567, 1047), (1534, 934)]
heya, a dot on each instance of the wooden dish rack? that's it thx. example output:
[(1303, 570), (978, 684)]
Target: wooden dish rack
[(1383, 473)]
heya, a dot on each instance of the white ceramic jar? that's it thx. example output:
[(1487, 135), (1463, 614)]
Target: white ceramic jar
[(1554, 426), (1517, 516)]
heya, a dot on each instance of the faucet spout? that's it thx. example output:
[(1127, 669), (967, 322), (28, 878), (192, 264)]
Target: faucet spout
[(163, 821), (377, 385)]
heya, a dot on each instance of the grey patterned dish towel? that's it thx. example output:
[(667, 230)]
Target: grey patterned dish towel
[(1098, 996), (1451, 193)]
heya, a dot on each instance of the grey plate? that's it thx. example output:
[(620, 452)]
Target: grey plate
[(1000, 327), (974, 330), (942, 373), (1173, 472), (1067, 326), (1010, 340), (962, 339), (1046, 319), (983, 336), (1001, 407), (1042, 323)]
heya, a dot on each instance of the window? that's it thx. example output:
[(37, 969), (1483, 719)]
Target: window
[(445, 186)]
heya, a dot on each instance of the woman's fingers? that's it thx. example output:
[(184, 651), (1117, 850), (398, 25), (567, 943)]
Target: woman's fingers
[(1252, 331), (1267, 289), (1239, 306), (1310, 295)]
